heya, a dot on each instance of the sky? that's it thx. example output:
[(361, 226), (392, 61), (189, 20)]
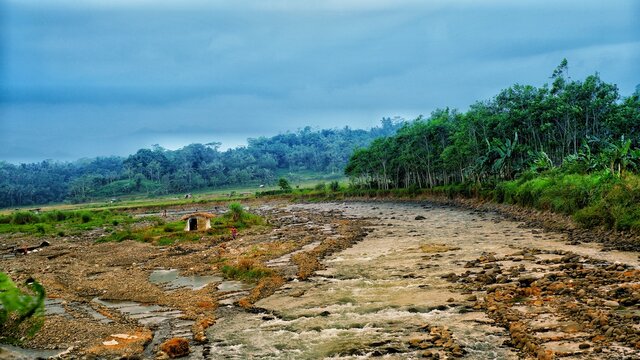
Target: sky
[(107, 77)]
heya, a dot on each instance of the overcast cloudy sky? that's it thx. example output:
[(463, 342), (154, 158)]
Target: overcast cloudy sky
[(100, 77)]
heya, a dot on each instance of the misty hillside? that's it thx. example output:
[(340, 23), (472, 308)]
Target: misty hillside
[(158, 171)]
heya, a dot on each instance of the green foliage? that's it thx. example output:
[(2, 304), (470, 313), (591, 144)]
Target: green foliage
[(24, 217), (236, 210), (55, 222), (284, 184), (166, 241), (334, 186), (579, 124), (237, 217), (85, 217), (21, 314), (168, 233), (245, 270), (158, 171)]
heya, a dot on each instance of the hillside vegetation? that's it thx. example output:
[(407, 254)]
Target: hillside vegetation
[(570, 147), (159, 171)]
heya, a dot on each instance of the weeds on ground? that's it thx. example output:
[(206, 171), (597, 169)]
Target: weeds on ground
[(61, 223)]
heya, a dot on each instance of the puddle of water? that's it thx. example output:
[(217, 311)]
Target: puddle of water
[(171, 279), (18, 353), (54, 307), (147, 315), (233, 285)]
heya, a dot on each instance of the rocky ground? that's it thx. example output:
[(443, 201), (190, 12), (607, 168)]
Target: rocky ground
[(350, 280), (103, 303)]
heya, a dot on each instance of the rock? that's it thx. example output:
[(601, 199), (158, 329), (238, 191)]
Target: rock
[(176, 347), (471, 298), (611, 303), (584, 346), (526, 280), (545, 355), (420, 217)]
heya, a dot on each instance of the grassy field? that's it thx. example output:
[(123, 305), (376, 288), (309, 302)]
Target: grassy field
[(298, 180)]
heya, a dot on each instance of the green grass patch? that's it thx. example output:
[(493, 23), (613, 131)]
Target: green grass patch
[(248, 270), (164, 233), (59, 223)]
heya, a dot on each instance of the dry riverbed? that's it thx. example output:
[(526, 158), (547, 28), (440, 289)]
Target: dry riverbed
[(399, 280)]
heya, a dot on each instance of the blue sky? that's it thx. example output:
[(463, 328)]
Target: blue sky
[(101, 77)]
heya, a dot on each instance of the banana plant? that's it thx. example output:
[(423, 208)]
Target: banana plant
[(17, 307), (504, 165)]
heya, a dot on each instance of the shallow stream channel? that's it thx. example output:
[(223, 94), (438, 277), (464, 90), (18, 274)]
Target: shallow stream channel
[(390, 295)]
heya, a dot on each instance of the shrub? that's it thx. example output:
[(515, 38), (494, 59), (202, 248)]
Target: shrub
[(334, 186), (236, 210), (284, 184), (246, 269), (24, 217), (85, 217), (56, 216)]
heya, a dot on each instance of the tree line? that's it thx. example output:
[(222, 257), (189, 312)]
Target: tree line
[(197, 166), (579, 125)]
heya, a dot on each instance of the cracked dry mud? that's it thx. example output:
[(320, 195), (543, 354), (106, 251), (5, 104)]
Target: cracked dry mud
[(397, 280)]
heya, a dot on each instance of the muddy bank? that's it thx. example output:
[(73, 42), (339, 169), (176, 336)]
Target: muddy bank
[(610, 239)]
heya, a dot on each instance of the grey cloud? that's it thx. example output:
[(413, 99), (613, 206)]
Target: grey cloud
[(117, 75)]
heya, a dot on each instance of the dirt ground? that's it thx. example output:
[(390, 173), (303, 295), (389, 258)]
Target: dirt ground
[(400, 280)]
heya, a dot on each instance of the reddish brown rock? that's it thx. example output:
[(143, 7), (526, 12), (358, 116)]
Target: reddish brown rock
[(175, 348)]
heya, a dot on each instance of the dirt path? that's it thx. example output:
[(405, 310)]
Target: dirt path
[(440, 282)]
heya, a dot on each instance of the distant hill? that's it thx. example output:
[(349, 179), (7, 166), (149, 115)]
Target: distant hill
[(196, 166)]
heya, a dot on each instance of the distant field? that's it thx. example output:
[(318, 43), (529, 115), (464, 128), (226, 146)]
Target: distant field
[(297, 180)]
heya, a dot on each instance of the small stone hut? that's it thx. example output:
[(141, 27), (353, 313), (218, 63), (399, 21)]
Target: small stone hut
[(198, 221)]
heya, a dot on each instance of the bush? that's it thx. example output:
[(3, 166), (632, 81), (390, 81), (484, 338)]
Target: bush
[(236, 210), (85, 217), (284, 184), (334, 186), (56, 216), (24, 218), (246, 269)]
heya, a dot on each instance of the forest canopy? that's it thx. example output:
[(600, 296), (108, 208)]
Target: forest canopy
[(582, 126), (158, 171)]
